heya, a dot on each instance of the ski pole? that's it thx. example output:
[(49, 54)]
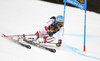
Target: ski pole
[(51, 43), (23, 35)]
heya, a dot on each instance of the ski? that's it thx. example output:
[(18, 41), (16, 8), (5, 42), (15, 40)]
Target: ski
[(27, 46), (37, 44), (17, 41)]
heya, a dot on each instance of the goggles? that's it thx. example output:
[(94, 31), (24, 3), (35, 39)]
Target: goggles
[(59, 23)]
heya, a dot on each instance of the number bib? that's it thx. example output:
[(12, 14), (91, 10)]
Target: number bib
[(54, 28)]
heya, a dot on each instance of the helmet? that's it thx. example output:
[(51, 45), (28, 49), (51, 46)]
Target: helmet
[(59, 20)]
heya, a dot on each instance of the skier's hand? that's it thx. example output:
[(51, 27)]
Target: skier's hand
[(59, 43), (50, 33)]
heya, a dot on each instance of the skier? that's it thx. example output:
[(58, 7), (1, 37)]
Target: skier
[(54, 25)]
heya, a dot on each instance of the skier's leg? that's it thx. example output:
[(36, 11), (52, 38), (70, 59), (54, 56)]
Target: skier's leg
[(45, 38), (35, 37), (37, 33), (49, 39), (30, 38)]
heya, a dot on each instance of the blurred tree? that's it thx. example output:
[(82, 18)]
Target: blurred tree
[(59, 1), (92, 5)]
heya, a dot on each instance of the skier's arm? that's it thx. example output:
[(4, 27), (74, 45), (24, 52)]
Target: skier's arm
[(61, 32), (60, 37), (47, 24), (47, 29)]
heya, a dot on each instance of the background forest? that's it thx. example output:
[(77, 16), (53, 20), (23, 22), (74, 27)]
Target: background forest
[(92, 5)]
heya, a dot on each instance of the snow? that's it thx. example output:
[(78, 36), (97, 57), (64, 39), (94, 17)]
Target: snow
[(28, 16)]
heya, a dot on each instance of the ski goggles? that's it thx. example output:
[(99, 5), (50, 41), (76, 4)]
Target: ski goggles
[(59, 23)]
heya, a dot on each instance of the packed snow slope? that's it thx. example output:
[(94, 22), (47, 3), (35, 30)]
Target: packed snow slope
[(28, 16)]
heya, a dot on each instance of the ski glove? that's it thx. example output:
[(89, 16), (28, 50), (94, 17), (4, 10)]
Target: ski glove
[(50, 33), (59, 43)]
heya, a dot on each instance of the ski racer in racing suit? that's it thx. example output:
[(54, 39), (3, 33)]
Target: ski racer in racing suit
[(54, 25)]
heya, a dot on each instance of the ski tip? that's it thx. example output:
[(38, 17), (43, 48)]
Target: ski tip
[(29, 47), (3, 35), (53, 50)]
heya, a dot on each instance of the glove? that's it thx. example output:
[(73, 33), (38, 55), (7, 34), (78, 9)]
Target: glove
[(50, 33), (59, 43)]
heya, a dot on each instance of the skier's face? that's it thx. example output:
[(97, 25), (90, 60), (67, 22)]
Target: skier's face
[(59, 24)]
